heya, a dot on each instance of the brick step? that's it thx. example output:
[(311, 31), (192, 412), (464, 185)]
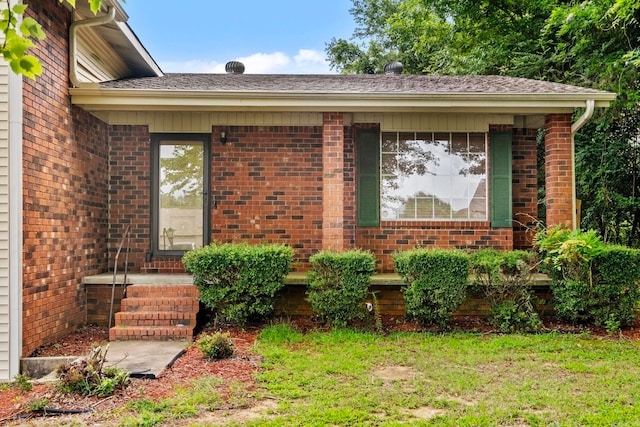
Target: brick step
[(179, 305), (151, 333), (162, 291), (155, 318)]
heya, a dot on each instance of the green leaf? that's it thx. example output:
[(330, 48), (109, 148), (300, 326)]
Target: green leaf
[(30, 66), (95, 5), (19, 8), (30, 27)]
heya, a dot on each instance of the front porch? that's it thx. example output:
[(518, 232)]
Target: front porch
[(139, 323)]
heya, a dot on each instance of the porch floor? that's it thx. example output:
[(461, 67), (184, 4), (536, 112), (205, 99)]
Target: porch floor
[(295, 278)]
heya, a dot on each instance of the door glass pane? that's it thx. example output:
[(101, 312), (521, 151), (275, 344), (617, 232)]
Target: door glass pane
[(181, 195)]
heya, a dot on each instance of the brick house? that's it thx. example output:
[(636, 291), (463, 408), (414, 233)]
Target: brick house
[(104, 141)]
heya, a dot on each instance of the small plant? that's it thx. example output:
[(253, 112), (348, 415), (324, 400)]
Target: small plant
[(216, 346), (23, 383), (436, 282), (376, 313), (612, 325), (38, 404), (505, 280), (88, 376), (338, 284)]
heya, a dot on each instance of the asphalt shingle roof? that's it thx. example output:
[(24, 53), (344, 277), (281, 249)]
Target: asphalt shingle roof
[(346, 84)]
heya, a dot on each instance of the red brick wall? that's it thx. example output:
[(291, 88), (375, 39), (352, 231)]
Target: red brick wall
[(267, 182), (525, 187), (393, 236), (268, 185), (333, 160), (130, 192), (559, 170), (65, 191)]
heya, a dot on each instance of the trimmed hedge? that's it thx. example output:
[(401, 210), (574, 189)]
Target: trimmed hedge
[(239, 281), (436, 282), (338, 283), (505, 280)]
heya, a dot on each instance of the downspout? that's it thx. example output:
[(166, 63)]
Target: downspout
[(575, 127), (91, 22)]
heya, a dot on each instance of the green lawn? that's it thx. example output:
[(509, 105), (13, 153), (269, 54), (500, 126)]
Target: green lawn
[(346, 378), (349, 378)]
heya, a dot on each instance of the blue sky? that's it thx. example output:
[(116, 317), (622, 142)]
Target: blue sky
[(268, 36)]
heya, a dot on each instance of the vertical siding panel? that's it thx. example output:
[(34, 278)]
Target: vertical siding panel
[(4, 225)]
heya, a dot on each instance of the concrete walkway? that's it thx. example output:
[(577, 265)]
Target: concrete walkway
[(144, 359)]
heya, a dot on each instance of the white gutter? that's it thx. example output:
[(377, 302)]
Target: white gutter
[(91, 22), (575, 127)]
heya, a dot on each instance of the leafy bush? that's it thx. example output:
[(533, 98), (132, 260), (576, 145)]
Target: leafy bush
[(338, 283), (239, 281), (436, 282), (216, 346), (505, 280), (592, 281), (88, 376)]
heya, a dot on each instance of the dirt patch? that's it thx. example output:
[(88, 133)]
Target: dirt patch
[(393, 373), (220, 417), (425, 412)]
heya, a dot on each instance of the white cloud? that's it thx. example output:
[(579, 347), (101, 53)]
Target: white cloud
[(305, 62)]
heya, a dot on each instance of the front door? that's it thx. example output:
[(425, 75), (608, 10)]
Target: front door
[(180, 193)]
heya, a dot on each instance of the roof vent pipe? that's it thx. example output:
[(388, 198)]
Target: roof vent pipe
[(234, 67), (393, 68), (91, 22)]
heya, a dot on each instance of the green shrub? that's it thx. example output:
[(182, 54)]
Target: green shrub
[(239, 281), (338, 283), (436, 282), (505, 280), (593, 282), (216, 346)]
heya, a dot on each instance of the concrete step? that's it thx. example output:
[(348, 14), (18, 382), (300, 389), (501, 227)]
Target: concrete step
[(179, 305), (155, 318), (162, 291), (151, 333)]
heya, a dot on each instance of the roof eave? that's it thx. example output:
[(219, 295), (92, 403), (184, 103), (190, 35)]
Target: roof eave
[(101, 99)]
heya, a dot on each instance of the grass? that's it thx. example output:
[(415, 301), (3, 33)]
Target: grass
[(350, 378), (354, 378)]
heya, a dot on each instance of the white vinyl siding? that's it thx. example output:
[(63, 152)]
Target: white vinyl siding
[(4, 224)]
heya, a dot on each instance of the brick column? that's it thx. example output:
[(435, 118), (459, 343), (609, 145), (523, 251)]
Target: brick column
[(333, 234), (559, 180)]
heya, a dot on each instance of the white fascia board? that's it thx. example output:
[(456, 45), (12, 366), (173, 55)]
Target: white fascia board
[(139, 48), (93, 99)]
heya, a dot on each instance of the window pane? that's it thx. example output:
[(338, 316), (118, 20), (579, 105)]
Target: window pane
[(459, 143), (389, 142), (434, 176), (181, 189), (477, 143)]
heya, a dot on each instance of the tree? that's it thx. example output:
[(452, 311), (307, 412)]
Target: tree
[(21, 33), (592, 43)]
